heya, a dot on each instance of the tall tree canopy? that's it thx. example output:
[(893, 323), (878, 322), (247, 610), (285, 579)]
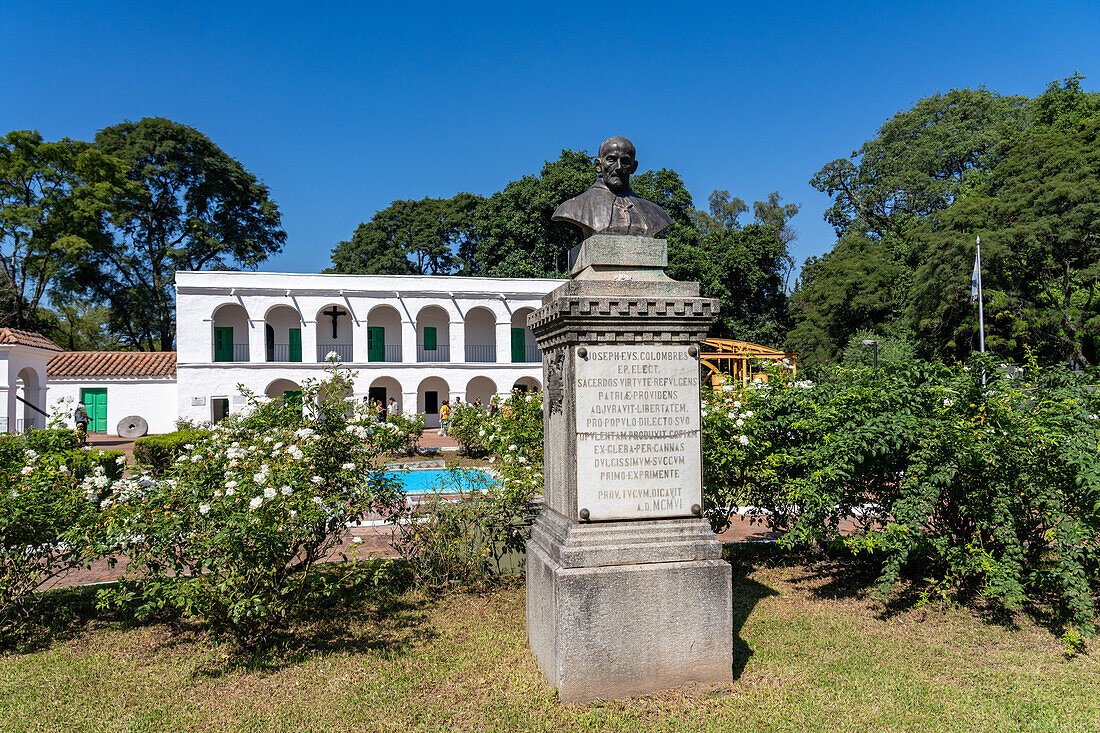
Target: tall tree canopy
[(907, 207), (195, 207), (425, 237), (54, 202)]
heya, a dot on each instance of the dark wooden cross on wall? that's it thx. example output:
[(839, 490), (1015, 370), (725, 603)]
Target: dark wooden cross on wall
[(335, 313)]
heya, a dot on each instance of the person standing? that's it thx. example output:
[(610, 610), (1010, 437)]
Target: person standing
[(80, 417), (444, 417), (394, 407)]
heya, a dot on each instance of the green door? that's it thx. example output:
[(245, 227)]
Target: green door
[(429, 338), (95, 403), (295, 344), (518, 339), (376, 343), (223, 343)]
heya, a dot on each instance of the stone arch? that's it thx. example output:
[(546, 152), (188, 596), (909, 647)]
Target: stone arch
[(282, 334), (527, 384), (482, 387), (341, 343), (30, 386), (481, 335), (384, 388), (523, 348), (426, 404), (229, 333), (387, 318), (433, 329)]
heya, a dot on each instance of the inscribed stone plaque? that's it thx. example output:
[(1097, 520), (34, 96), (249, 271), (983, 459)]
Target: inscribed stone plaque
[(638, 452)]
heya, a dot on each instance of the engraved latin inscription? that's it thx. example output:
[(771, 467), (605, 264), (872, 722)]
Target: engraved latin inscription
[(637, 432)]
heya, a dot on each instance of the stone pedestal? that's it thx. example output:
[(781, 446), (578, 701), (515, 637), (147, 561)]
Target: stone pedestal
[(626, 589)]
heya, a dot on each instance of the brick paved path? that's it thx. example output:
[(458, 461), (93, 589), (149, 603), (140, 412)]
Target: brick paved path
[(373, 542)]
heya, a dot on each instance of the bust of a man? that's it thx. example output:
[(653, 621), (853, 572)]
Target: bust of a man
[(609, 206)]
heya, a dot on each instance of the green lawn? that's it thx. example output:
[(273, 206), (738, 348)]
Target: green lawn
[(811, 655)]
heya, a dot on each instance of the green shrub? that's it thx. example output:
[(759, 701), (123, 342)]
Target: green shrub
[(46, 515), (989, 488), (52, 441), (159, 452), (232, 533), (468, 538), (469, 426), (81, 463), (400, 434)]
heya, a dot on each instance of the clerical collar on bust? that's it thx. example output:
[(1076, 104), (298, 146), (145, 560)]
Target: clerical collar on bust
[(600, 182)]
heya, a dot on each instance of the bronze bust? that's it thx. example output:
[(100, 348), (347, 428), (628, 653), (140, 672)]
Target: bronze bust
[(609, 206)]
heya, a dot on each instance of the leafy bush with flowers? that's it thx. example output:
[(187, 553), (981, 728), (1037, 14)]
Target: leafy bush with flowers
[(233, 533), (48, 503), (975, 479), (399, 434), (469, 426), (473, 530)]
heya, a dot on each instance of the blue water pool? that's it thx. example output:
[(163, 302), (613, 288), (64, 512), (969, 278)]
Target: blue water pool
[(429, 481)]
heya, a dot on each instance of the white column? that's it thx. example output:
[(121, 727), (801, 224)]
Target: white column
[(457, 341), (309, 342), (257, 344), (7, 419), (408, 402), (504, 342), (408, 344)]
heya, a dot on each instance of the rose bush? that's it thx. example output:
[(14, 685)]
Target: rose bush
[(48, 507), (233, 532)]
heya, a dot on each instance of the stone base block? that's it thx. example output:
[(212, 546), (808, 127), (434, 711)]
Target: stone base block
[(613, 631)]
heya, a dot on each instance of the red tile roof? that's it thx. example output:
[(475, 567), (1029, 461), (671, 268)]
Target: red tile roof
[(27, 338), (112, 364)]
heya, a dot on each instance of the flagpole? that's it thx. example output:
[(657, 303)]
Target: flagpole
[(981, 309)]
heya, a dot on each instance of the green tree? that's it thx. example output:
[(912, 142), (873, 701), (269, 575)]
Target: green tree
[(1039, 219), (919, 160), (195, 208), (858, 285), (54, 201), (515, 236), (425, 237), (77, 324)]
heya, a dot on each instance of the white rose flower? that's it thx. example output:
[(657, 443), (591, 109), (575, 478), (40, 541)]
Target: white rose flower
[(286, 491), (293, 513), (332, 356), (295, 452), (348, 467), (255, 503), (259, 477), (317, 480), (231, 485), (743, 440), (27, 470), (204, 508), (100, 481), (120, 461), (739, 422), (269, 492), (357, 540), (948, 402), (230, 492)]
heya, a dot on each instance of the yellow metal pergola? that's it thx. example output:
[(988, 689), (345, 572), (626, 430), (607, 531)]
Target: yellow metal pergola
[(729, 361)]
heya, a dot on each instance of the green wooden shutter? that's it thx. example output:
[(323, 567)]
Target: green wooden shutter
[(295, 347), (223, 343), (518, 340), (429, 338), (376, 343)]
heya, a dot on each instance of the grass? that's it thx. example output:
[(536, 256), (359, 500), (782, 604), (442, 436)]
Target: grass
[(812, 653)]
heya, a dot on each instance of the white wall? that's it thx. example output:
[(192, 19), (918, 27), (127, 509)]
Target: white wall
[(13, 360), (152, 399)]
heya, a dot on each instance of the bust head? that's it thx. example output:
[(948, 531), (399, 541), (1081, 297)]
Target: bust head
[(616, 162)]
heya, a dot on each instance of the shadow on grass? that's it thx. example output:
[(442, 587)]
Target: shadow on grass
[(57, 615), (836, 574), (744, 559)]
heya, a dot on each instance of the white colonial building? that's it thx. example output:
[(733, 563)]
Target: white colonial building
[(417, 339)]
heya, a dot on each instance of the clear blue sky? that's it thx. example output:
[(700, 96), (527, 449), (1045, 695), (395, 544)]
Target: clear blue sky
[(343, 107)]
